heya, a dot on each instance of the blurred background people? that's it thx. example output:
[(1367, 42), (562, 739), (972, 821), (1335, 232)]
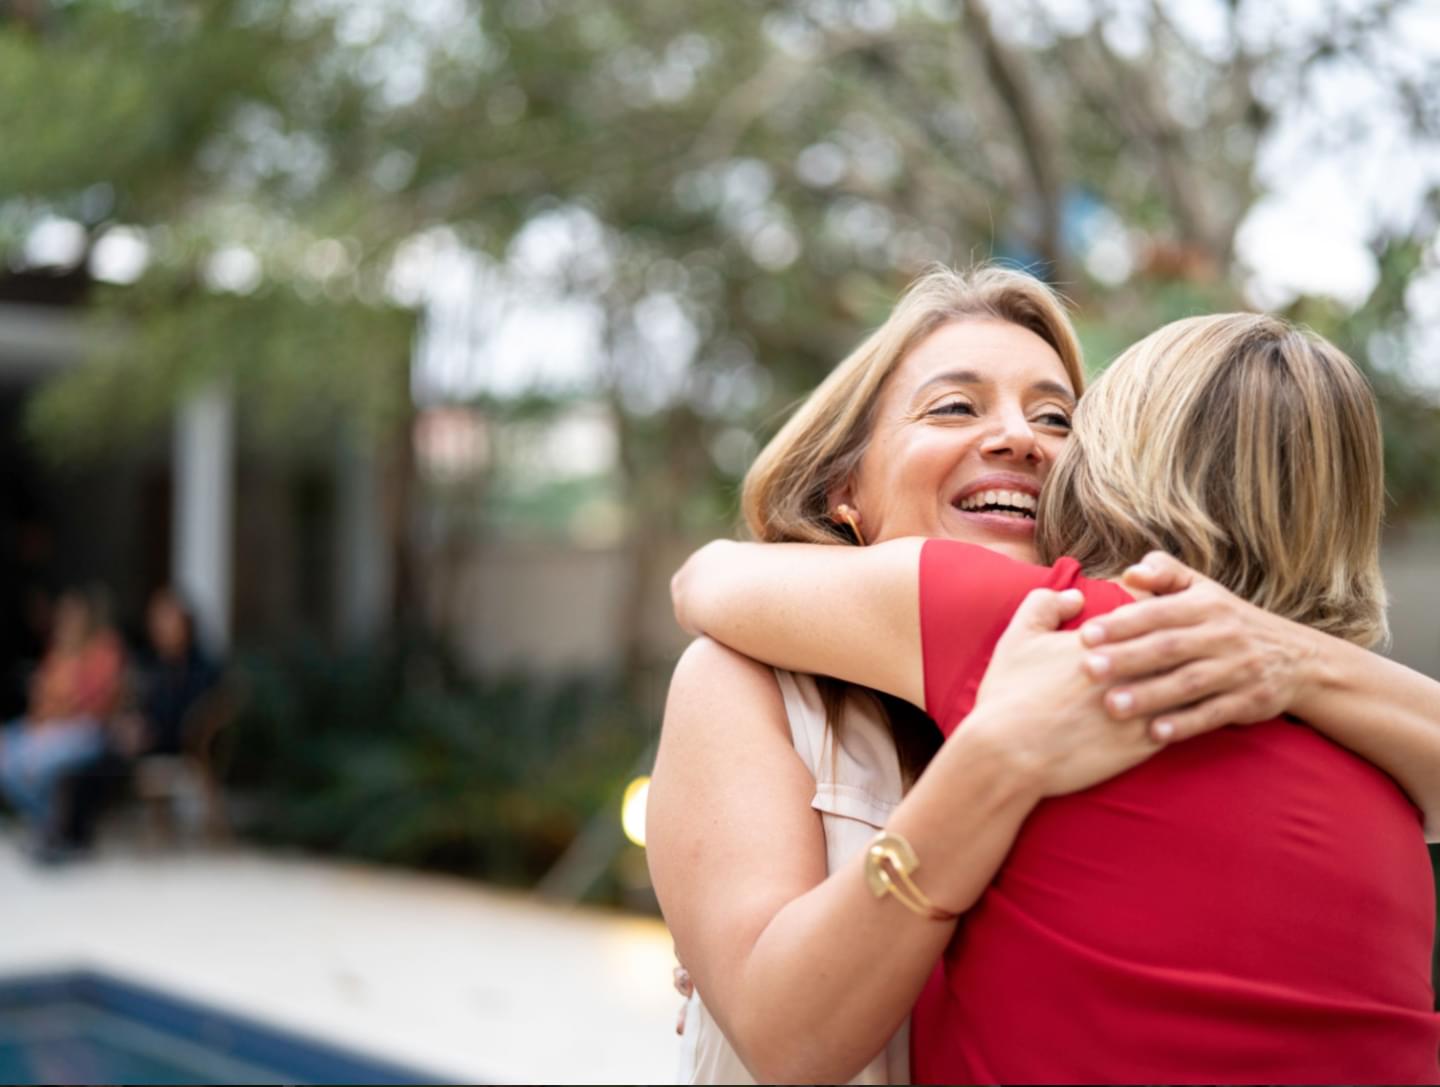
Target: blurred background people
[(169, 676), (73, 694)]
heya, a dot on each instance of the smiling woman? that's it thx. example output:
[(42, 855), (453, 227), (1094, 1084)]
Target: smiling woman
[(769, 784), (957, 355), (971, 379)]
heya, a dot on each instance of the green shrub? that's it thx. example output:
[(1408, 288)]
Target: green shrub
[(395, 755)]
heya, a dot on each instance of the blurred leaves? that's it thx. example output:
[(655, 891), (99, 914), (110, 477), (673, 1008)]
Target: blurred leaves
[(776, 172), (737, 191), (129, 95), (1411, 422), (300, 366)]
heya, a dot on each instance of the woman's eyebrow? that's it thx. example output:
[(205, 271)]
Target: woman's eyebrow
[(1055, 389), (970, 377), (953, 377)]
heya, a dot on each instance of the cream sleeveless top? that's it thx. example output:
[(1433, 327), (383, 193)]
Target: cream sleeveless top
[(857, 785)]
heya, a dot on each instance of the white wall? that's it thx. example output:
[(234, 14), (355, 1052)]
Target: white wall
[(1412, 574), (551, 608), (548, 608)]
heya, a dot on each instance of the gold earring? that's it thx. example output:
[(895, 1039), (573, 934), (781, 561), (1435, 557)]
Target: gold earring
[(851, 517)]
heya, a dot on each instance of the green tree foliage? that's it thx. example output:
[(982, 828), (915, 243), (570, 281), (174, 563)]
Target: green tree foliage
[(772, 173), (765, 177), (207, 125)]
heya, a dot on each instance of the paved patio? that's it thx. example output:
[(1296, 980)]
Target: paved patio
[(472, 983)]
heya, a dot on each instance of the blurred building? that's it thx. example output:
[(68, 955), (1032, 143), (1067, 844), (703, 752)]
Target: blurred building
[(270, 548), (262, 546), (556, 608)]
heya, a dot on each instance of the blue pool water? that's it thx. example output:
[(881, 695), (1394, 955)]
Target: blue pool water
[(82, 1027)]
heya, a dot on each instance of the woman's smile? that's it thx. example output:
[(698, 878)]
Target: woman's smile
[(999, 502)]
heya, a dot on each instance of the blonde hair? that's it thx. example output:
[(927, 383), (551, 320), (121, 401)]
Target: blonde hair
[(786, 493), (1248, 448)]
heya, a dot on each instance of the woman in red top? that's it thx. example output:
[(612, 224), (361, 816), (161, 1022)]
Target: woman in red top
[(1198, 918), (73, 693), (1253, 905)]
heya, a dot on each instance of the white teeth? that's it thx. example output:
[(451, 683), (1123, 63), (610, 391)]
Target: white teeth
[(1015, 499)]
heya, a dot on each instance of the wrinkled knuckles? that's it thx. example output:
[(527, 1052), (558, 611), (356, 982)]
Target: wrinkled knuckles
[(1231, 636), (1191, 684)]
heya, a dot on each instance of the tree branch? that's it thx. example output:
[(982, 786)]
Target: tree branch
[(1038, 144)]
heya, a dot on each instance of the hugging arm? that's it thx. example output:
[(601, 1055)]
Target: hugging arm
[(849, 612), (1194, 658)]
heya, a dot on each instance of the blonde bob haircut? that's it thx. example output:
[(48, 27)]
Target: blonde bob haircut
[(1248, 448), (786, 493)]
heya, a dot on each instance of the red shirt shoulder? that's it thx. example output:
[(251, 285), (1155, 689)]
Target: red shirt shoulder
[(968, 595)]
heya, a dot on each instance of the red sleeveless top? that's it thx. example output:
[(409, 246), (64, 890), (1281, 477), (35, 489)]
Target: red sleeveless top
[(1250, 906)]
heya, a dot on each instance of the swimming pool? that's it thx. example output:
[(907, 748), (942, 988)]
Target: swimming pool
[(85, 1027)]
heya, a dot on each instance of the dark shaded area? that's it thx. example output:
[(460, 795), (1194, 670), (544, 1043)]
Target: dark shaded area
[(59, 288), (396, 754)]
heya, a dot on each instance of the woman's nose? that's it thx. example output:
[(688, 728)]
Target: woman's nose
[(1013, 437)]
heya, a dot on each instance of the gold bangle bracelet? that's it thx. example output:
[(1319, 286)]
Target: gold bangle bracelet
[(889, 863)]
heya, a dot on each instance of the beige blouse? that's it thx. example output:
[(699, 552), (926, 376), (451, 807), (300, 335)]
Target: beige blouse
[(857, 785)]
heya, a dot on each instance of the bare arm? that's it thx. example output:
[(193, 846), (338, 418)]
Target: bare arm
[(809, 975), (1382, 711), (851, 612), (1222, 660)]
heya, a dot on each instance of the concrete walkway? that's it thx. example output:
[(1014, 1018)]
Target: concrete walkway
[(472, 983)]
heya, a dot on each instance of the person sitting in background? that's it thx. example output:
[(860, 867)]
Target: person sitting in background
[(73, 694), (174, 674)]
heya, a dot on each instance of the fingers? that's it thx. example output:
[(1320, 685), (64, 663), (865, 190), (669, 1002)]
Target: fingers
[(1164, 696), (1195, 721), (1159, 573), (1045, 610), (1133, 620), (1151, 654)]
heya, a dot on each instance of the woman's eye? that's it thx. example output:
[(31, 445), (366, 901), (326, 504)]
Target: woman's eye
[(954, 407), (1056, 419)]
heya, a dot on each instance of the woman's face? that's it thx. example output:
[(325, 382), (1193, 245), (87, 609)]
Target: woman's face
[(71, 623), (167, 627), (967, 428)]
